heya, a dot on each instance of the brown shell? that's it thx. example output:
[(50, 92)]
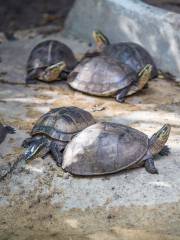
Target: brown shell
[(132, 54), (63, 123), (104, 148), (101, 76), (50, 52)]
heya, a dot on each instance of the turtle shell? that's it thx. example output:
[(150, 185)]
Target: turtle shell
[(104, 148), (63, 123), (132, 54), (50, 52), (101, 76), (3, 133)]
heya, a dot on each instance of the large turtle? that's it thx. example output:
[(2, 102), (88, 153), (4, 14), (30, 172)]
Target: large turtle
[(105, 76), (105, 148), (129, 53), (54, 130), (4, 130), (48, 61)]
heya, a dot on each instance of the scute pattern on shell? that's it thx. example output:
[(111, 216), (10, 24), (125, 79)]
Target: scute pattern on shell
[(101, 76), (63, 123), (132, 54), (50, 52), (104, 148)]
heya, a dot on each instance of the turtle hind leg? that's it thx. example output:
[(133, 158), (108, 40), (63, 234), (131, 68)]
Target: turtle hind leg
[(10, 130), (150, 167), (120, 96), (56, 149), (165, 151)]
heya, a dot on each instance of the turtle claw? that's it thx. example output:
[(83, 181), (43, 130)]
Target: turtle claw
[(10, 129), (120, 100), (150, 167), (165, 151)]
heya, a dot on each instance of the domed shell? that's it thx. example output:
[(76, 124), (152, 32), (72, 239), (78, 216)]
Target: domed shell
[(101, 76), (104, 148), (50, 52), (63, 123), (132, 54)]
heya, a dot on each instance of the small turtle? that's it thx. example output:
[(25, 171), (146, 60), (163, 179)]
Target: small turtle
[(105, 76), (54, 130), (48, 61), (4, 130), (129, 53), (106, 148)]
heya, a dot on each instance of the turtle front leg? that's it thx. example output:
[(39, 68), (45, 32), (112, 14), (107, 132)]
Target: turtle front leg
[(165, 151), (56, 149), (120, 96), (150, 167), (30, 80), (10, 130), (27, 142), (64, 75)]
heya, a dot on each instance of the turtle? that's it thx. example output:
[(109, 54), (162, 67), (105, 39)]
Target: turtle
[(106, 148), (105, 76), (54, 130), (130, 53), (4, 130), (48, 61)]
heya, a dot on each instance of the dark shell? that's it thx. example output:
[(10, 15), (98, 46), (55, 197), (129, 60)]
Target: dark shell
[(132, 54), (50, 52), (63, 123), (3, 133), (104, 148), (101, 76)]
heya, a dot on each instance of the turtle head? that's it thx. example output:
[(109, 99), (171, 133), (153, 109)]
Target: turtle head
[(163, 134), (159, 139), (38, 148), (145, 75), (52, 72), (100, 39)]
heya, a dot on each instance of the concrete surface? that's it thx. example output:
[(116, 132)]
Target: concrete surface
[(131, 20), (39, 201)]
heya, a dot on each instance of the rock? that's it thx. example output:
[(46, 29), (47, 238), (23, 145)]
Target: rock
[(154, 28)]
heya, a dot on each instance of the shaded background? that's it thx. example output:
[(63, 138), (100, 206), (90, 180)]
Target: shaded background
[(22, 14), (172, 5)]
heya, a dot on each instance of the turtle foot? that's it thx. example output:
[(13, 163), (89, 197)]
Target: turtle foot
[(26, 143), (10, 129), (165, 151), (120, 100), (150, 167), (30, 81)]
